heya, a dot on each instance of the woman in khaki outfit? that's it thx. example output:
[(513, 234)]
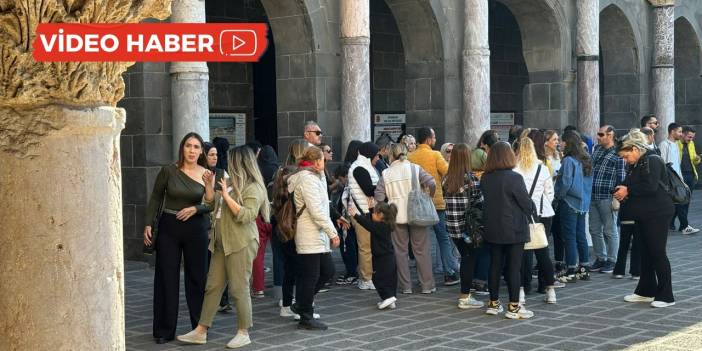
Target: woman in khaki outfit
[(233, 245)]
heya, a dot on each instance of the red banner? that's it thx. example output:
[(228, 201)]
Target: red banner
[(230, 42)]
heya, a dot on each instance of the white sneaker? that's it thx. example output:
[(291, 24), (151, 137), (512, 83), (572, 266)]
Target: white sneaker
[(494, 309), (637, 298), (193, 338), (239, 340), (550, 296), (661, 304), (314, 315), (386, 303), (522, 296), (366, 285), (519, 313), (469, 302), (558, 284), (430, 291), (407, 291), (689, 230), (286, 312)]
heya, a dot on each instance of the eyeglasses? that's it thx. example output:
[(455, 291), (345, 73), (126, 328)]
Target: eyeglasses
[(317, 132), (329, 151)]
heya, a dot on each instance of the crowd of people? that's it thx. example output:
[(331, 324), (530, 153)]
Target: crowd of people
[(463, 213)]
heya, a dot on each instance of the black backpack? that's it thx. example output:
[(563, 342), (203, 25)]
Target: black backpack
[(675, 186)]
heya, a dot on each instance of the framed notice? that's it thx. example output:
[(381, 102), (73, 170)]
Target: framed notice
[(231, 126), (502, 122), (392, 124)]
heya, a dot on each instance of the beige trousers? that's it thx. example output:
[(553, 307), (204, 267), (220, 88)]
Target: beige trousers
[(421, 247), (365, 259), (234, 269)]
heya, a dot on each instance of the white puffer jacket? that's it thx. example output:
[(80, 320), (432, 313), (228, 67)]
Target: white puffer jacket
[(314, 226), (354, 189)]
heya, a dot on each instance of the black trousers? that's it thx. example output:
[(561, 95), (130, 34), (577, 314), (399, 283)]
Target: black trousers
[(385, 275), (468, 256), (656, 280), (512, 256), (176, 238), (290, 271), (313, 271), (558, 240), (627, 238), (543, 263)]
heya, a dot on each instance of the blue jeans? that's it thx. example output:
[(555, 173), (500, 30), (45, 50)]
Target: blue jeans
[(573, 232), (448, 259), (603, 229)]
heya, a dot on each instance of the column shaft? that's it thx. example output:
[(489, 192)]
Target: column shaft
[(61, 213), (663, 71), (476, 71), (587, 51), (189, 82), (355, 71)]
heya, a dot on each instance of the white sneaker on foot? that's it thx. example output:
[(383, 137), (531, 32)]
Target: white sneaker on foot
[(689, 230), (494, 309), (193, 337), (407, 291), (366, 285), (286, 312), (519, 313), (558, 284), (469, 302), (386, 303), (430, 291), (314, 315), (637, 298), (550, 296), (522, 296), (239, 340), (661, 304)]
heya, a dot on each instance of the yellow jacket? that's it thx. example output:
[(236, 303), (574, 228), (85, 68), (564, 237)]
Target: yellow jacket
[(433, 163), (693, 155)]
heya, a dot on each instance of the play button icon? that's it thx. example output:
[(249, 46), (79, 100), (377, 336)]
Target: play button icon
[(238, 42)]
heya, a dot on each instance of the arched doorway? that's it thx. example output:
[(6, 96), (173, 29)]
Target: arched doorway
[(688, 84), (547, 95), (620, 77)]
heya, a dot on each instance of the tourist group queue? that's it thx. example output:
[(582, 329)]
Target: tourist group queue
[(474, 214)]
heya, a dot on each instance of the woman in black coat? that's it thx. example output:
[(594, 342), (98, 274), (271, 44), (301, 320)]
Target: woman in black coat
[(651, 209), (507, 209)]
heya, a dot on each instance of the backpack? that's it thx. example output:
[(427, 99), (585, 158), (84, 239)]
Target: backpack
[(287, 218), (675, 186)]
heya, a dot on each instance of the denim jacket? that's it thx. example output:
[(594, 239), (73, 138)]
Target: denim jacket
[(572, 186)]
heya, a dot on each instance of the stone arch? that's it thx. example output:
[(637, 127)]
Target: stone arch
[(424, 67), (688, 84), (546, 47), (620, 69)]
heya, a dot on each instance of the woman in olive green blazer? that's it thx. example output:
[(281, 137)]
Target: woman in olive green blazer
[(234, 244)]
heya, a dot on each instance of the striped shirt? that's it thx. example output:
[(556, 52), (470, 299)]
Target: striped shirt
[(456, 204)]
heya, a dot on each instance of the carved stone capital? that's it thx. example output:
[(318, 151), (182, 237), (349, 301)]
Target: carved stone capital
[(662, 3), (25, 83)]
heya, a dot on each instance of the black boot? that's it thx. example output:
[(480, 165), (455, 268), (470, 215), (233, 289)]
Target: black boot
[(309, 323)]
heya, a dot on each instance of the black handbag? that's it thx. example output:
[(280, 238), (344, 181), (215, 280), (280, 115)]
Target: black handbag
[(149, 249)]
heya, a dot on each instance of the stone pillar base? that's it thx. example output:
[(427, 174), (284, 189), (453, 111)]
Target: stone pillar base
[(61, 240)]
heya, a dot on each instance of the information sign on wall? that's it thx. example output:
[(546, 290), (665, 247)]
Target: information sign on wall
[(392, 124), (502, 122), (231, 126)]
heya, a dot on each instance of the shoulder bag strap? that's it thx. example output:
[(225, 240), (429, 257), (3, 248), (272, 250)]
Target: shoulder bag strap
[(536, 178), (415, 177)]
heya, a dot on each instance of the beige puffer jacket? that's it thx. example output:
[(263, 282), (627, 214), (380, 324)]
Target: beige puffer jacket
[(314, 226)]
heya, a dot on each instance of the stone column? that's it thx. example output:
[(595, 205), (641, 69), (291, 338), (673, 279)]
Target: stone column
[(476, 71), (189, 89), (355, 71), (587, 51), (663, 71), (60, 186)]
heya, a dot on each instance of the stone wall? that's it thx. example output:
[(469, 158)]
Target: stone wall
[(688, 84), (387, 61)]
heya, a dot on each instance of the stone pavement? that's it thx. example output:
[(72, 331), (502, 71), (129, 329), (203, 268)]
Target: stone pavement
[(589, 316)]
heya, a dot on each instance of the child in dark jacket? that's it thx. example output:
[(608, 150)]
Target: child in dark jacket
[(380, 224)]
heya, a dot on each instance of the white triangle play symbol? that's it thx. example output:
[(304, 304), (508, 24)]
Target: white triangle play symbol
[(237, 42)]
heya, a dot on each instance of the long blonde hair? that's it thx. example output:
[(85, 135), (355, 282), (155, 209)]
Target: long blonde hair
[(243, 170), (526, 154), (295, 150)]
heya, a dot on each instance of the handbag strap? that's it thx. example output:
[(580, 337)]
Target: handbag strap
[(536, 178), (415, 177)]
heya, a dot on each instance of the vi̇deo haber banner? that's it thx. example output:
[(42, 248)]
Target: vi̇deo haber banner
[(218, 42)]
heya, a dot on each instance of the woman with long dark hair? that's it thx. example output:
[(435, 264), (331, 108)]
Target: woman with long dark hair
[(234, 245), (179, 190), (462, 192), (507, 207), (268, 164), (573, 189), (651, 209)]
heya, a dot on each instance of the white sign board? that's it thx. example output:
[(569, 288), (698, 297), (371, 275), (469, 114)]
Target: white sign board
[(389, 118), (394, 130), (231, 126), (502, 122)]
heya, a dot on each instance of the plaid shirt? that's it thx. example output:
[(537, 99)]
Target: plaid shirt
[(456, 205), (608, 171)]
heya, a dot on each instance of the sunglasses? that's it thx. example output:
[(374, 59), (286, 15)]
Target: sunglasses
[(449, 151), (317, 132), (328, 151)]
